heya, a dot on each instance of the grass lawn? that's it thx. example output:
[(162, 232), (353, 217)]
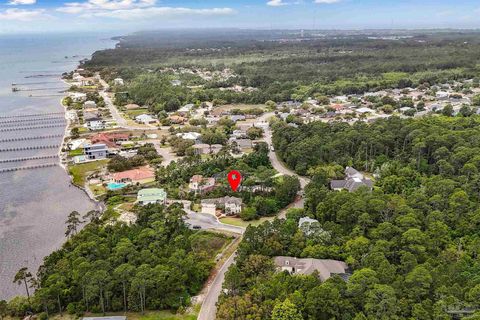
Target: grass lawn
[(98, 189), (73, 153), (80, 171), (240, 223)]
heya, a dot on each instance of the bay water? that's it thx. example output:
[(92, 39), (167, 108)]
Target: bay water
[(34, 203)]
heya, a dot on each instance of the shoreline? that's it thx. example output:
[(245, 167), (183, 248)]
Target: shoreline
[(62, 155)]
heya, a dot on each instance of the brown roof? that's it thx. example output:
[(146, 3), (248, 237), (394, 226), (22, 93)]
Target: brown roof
[(135, 174)]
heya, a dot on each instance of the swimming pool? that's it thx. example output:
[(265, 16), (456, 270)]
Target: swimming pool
[(115, 186)]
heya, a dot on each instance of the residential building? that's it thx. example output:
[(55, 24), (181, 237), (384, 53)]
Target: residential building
[(145, 119), (229, 205), (110, 139), (95, 125), (139, 175), (352, 182), (189, 135), (95, 151), (90, 104), (78, 96), (151, 196), (326, 268), (199, 184)]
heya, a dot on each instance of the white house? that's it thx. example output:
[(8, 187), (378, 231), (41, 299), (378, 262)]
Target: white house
[(95, 125), (145, 119), (78, 96), (231, 205), (89, 104)]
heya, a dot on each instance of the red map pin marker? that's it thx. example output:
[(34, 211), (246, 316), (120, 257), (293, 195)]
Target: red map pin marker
[(234, 178)]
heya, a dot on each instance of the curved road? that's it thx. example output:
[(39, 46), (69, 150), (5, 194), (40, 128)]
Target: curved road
[(209, 306)]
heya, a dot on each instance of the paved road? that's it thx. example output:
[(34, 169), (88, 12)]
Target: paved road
[(117, 117), (209, 305), (277, 164), (209, 308), (205, 220)]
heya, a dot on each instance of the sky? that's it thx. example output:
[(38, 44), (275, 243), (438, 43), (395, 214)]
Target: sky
[(26, 16)]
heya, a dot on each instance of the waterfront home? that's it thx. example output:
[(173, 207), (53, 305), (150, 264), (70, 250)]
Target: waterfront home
[(139, 175), (352, 182), (199, 184), (230, 206), (326, 268), (95, 125), (151, 196), (78, 96), (112, 140), (95, 151), (76, 143), (145, 119), (90, 104)]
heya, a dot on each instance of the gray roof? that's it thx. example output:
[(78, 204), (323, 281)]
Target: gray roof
[(325, 267), (224, 200)]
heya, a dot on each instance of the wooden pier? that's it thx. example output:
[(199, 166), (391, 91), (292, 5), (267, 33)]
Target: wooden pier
[(31, 138), (38, 166), (51, 146), (28, 158), (32, 127)]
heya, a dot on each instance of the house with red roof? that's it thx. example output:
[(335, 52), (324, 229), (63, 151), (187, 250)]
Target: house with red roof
[(139, 175)]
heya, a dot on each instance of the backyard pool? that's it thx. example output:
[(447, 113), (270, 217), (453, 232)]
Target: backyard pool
[(115, 186)]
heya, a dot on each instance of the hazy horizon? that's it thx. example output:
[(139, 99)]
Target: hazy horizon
[(25, 16)]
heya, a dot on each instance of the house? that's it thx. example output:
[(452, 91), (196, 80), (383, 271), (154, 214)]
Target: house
[(151, 196), (95, 125), (242, 144), (189, 136), (325, 267), (231, 205), (352, 182), (91, 116), (239, 134), (145, 119), (365, 110), (177, 119), (199, 184), (95, 151), (76, 143), (203, 148), (90, 104), (110, 139), (441, 95), (139, 175), (78, 96), (238, 117), (186, 108), (118, 82)]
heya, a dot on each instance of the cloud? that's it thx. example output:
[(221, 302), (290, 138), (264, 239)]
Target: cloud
[(20, 2), (326, 1), (280, 3), (276, 3), (99, 5), (166, 12), (21, 15)]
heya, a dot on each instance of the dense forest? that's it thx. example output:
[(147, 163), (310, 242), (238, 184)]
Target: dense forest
[(283, 69), (156, 264), (413, 242)]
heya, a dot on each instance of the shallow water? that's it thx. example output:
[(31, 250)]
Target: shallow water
[(34, 203)]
